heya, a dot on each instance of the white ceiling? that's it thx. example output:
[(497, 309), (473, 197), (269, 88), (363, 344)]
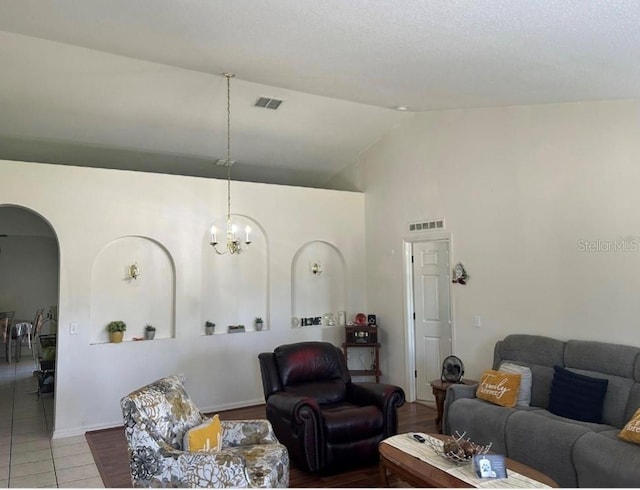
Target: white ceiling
[(137, 83)]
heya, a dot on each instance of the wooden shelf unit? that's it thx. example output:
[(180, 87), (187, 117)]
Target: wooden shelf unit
[(351, 332)]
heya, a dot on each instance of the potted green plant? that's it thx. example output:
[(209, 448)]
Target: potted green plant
[(259, 323), (149, 332), (116, 331), (209, 328)]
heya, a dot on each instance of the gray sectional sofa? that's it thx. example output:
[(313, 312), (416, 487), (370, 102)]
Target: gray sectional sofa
[(573, 453)]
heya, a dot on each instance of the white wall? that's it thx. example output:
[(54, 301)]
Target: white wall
[(90, 208), (519, 187), (29, 271)]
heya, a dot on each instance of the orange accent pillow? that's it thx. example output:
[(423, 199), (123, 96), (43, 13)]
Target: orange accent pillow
[(631, 431), (499, 387), (204, 437)]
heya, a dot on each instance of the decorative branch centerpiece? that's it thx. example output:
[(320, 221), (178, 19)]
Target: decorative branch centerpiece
[(457, 449)]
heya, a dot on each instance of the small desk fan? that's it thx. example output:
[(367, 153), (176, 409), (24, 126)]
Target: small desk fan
[(452, 369)]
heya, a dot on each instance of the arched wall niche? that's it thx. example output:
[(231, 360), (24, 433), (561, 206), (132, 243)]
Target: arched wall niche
[(318, 282), (147, 299), (235, 288)]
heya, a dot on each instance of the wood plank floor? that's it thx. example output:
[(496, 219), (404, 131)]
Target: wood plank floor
[(109, 449)]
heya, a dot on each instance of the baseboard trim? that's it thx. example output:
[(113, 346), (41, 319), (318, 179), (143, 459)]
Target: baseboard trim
[(231, 406), (78, 431)]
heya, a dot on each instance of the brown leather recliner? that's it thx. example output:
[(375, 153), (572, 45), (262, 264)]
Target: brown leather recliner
[(326, 421)]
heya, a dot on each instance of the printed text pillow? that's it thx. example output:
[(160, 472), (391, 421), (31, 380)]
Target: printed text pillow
[(631, 431), (499, 387)]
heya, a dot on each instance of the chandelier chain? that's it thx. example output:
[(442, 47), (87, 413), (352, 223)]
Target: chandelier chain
[(233, 242), (228, 75)]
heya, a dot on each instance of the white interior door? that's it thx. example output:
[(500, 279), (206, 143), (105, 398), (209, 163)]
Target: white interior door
[(432, 316)]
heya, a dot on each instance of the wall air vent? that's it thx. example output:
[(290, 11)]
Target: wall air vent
[(268, 103), (437, 224)]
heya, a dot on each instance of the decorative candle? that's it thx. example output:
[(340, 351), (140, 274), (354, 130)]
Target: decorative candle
[(213, 234), (247, 230)]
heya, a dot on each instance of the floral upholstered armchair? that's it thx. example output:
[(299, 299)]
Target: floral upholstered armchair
[(156, 418)]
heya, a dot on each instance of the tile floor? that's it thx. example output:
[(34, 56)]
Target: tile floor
[(29, 458)]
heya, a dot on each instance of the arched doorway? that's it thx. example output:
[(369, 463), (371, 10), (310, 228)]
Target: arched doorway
[(30, 268)]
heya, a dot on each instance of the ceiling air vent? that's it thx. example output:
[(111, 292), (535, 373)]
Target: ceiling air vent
[(437, 224), (268, 103)]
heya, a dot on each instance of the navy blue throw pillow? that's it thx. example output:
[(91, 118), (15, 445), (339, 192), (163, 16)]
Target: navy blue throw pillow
[(576, 396)]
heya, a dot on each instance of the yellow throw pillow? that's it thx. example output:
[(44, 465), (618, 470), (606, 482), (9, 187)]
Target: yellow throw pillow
[(204, 437), (631, 431), (499, 387)]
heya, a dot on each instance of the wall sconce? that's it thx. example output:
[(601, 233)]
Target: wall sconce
[(316, 268), (460, 275), (133, 271)]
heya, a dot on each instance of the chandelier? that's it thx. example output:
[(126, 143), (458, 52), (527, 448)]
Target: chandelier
[(233, 243)]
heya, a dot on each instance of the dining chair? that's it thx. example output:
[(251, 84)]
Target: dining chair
[(24, 330), (7, 314), (6, 332), (9, 340), (36, 330), (31, 331)]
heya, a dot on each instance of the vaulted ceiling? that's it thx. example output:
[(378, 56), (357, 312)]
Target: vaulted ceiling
[(137, 84)]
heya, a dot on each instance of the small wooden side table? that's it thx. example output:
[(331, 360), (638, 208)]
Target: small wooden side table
[(439, 389)]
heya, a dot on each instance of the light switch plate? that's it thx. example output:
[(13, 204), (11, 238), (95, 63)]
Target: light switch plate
[(73, 329)]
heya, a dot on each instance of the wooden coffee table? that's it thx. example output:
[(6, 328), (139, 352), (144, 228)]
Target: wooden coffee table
[(420, 474)]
